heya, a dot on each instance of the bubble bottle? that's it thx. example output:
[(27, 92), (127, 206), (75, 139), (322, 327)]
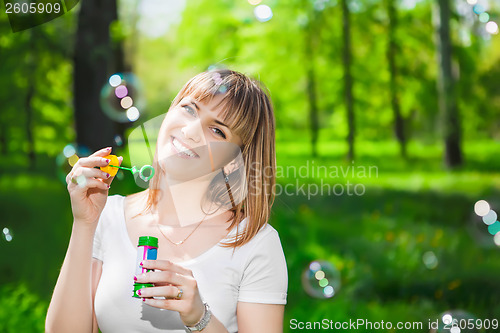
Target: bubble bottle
[(147, 249)]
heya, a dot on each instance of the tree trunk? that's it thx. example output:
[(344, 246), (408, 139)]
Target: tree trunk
[(399, 129), (93, 58), (348, 98), (31, 67), (311, 87), (448, 107)]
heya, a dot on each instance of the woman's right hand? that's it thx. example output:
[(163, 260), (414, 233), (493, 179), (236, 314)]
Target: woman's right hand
[(88, 186)]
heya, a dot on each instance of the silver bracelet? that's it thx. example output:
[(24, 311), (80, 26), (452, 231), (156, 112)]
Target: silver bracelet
[(200, 326)]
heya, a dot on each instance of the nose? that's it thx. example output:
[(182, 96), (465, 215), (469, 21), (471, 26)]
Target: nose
[(192, 130)]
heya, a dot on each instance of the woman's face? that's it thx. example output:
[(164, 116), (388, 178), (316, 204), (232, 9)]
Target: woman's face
[(194, 141)]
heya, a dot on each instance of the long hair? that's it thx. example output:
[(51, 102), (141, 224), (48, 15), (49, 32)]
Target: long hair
[(248, 111)]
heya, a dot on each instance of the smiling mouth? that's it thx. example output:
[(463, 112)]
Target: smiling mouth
[(183, 150)]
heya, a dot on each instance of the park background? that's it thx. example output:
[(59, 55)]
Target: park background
[(410, 87)]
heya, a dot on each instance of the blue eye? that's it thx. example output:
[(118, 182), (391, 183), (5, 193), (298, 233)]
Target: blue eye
[(190, 110)]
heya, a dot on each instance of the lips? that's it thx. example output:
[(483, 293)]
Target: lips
[(182, 149)]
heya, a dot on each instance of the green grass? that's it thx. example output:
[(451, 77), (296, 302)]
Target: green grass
[(375, 240)]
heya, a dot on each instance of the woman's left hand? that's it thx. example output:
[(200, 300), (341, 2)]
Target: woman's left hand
[(169, 280)]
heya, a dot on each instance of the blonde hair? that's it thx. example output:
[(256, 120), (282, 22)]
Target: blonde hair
[(248, 111)]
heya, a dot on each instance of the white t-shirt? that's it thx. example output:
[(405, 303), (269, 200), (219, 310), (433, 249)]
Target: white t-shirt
[(256, 273)]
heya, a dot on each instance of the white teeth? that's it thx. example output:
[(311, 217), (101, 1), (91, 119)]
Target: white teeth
[(180, 147)]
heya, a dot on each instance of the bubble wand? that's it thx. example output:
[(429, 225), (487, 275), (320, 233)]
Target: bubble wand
[(145, 173)]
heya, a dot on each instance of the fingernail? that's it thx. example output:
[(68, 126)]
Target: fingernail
[(109, 148), (143, 299), (139, 292), (107, 161), (141, 263), (135, 278), (108, 185), (107, 175)]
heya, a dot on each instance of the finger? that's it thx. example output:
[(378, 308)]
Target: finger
[(102, 152), (169, 292), (164, 278), (167, 304), (83, 183), (166, 265), (91, 162)]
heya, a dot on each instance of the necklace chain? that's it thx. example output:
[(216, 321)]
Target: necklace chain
[(182, 241)]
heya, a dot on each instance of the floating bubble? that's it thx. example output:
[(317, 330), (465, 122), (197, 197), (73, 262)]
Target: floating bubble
[(263, 13), (481, 208), (494, 228), (455, 321), (492, 28), (117, 100), (430, 260), (133, 114), (126, 102), (65, 163), (490, 218), (478, 9), (7, 234), (321, 279), (115, 80), (484, 17)]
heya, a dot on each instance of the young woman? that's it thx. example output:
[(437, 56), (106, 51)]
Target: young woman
[(220, 266)]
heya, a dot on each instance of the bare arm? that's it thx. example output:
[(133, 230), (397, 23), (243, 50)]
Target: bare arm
[(261, 318), (71, 308)]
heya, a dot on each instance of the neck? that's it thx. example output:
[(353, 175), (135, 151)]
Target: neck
[(180, 203)]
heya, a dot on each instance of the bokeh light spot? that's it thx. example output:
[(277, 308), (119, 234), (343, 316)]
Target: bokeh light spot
[(484, 17), (447, 318), (481, 208), (471, 2), (490, 218), (496, 239), (133, 114), (430, 260), (254, 2), (494, 228), (263, 13), (126, 102), (455, 329), (319, 275), (328, 291), (115, 80), (118, 140), (478, 9), (121, 91), (492, 28), (72, 160), (69, 150), (7, 234), (323, 283)]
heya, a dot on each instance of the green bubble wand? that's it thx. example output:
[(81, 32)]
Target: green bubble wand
[(143, 172)]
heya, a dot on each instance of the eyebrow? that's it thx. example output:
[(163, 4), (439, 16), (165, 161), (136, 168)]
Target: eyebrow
[(216, 120)]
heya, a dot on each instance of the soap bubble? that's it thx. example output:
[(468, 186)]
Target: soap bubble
[(7, 234), (490, 218), (69, 155), (481, 208), (455, 321), (122, 98), (321, 279)]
